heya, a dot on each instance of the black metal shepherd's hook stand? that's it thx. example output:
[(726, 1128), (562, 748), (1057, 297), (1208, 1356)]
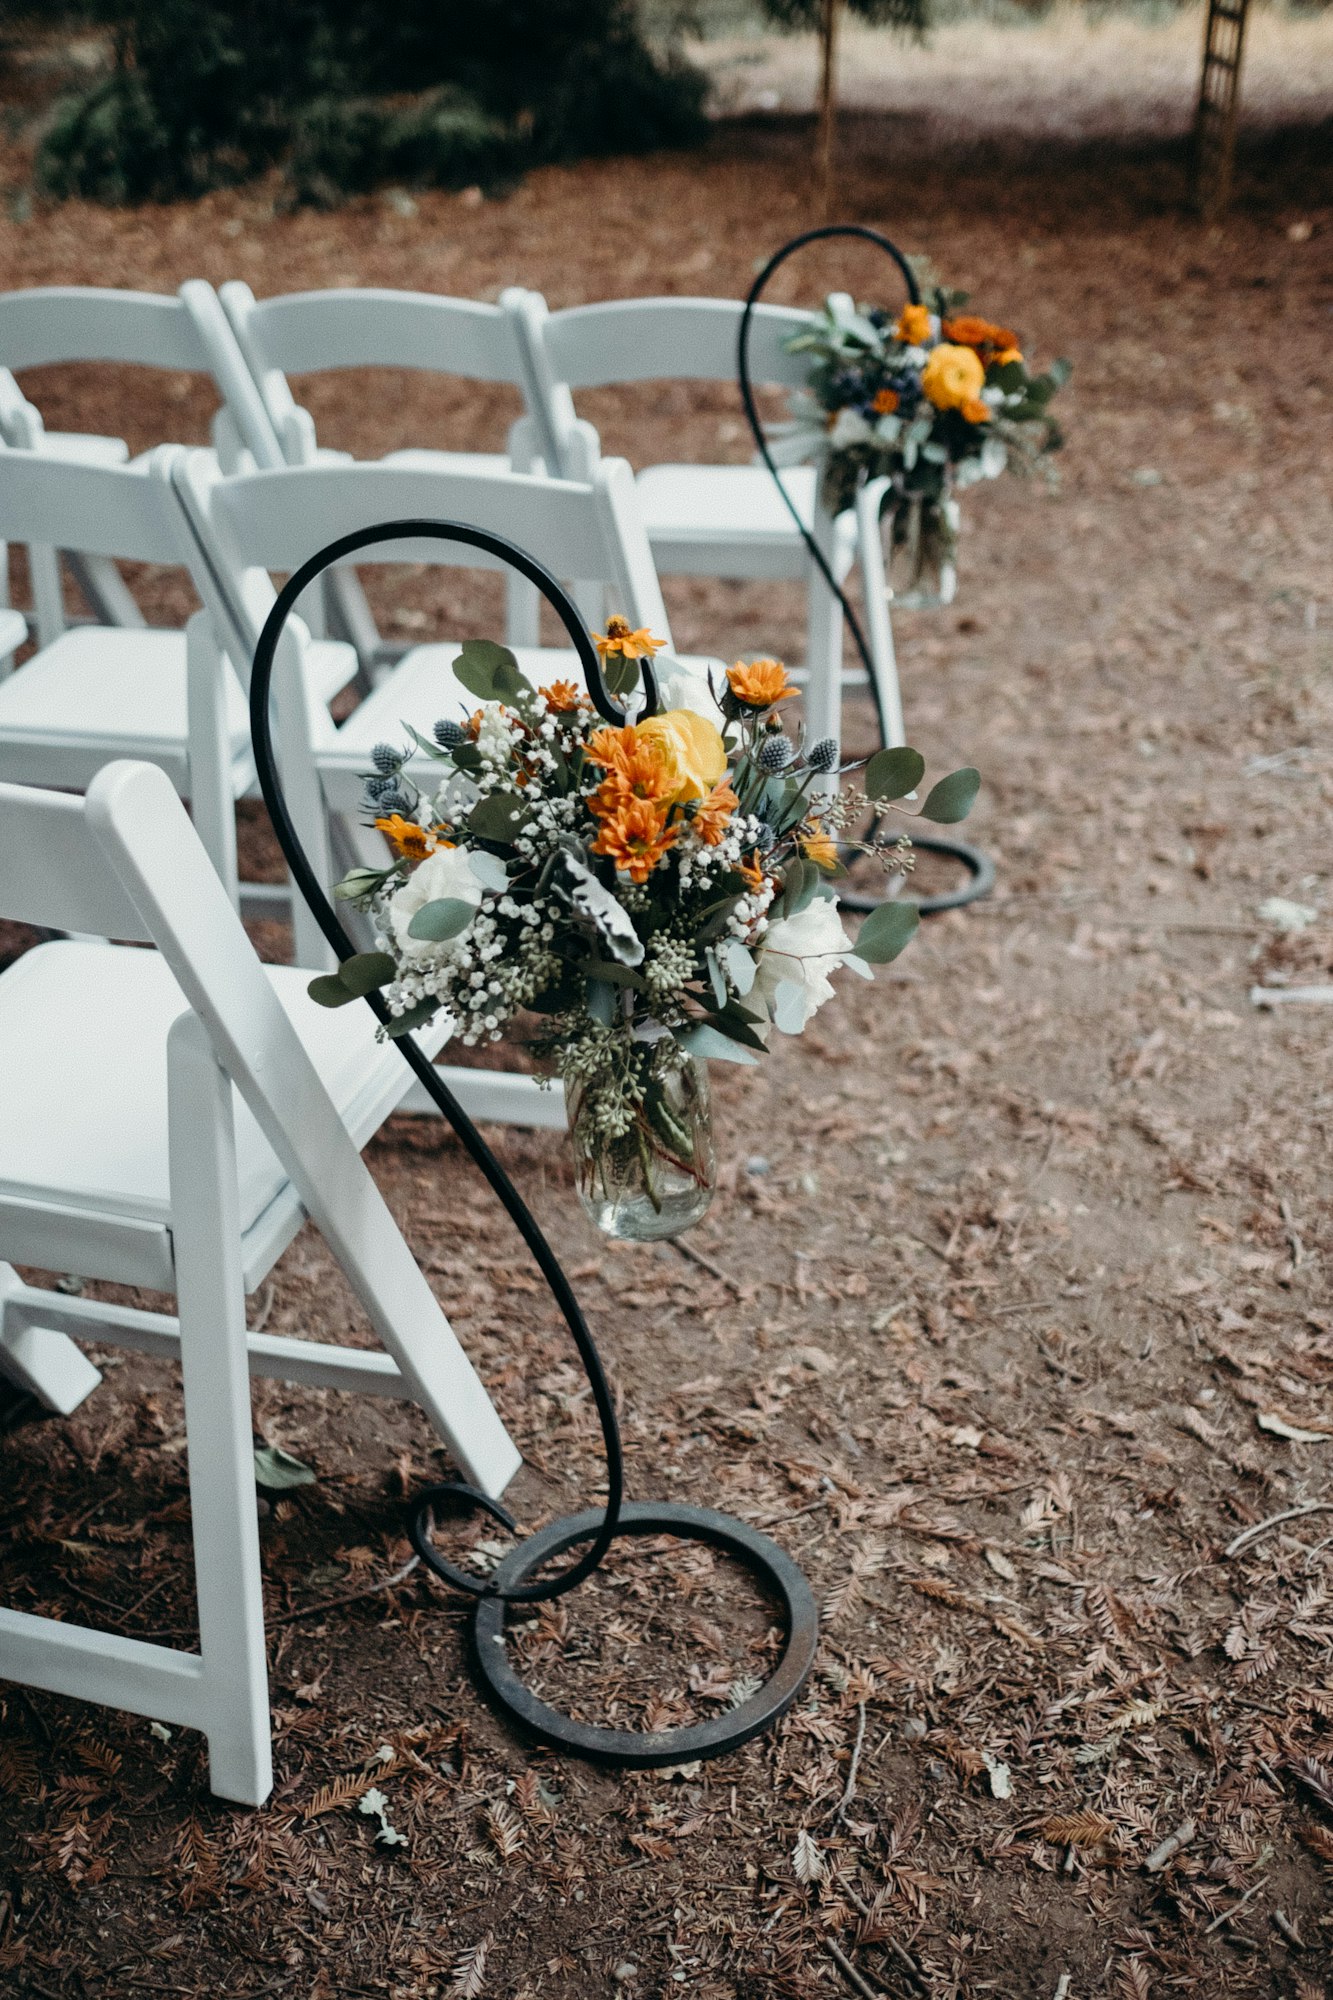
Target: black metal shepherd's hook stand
[(980, 868), (516, 1579)]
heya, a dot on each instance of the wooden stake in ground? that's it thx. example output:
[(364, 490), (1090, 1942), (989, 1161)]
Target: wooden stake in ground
[(1219, 105), (828, 101)]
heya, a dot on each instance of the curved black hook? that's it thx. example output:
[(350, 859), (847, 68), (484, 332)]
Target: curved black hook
[(424, 1070), (752, 297)]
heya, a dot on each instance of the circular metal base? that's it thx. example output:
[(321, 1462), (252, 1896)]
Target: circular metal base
[(979, 866), (634, 1748)]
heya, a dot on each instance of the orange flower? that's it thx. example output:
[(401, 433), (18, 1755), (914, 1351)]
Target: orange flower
[(635, 838), (975, 411), (913, 327), (991, 342), (761, 684), (885, 403), (612, 747), (753, 871), (711, 816), (644, 772), (408, 839), (818, 846), (1008, 354), (630, 645), (562, 696)]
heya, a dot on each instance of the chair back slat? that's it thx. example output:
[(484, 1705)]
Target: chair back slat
[(96, 323), (54, 874), (276, 521), (306, 332), (131, 516), (643, 340)]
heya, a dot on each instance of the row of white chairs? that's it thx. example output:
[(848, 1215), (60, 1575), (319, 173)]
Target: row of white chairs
[(168, 1117), (700, 519)]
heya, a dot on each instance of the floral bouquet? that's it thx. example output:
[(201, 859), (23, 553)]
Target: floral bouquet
[(933, 400), (661, 893)]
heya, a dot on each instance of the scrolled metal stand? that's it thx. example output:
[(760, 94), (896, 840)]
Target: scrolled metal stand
[(514, 1581), (979, 867)]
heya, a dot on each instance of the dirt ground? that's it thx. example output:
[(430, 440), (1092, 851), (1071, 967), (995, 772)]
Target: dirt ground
[(1025, 1248)]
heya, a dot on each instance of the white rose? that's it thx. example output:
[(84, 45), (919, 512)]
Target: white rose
[(446, 873), (797, 957), (849, 428)]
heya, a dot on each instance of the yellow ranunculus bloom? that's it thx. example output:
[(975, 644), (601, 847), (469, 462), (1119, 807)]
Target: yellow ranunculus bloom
[(952, 376), (694, 746)]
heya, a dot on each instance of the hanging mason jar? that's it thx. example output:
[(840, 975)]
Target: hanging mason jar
[(656, 1176), (922, 535)]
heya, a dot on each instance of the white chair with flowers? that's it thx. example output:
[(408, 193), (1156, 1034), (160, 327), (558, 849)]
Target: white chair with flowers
[(175, 1136)]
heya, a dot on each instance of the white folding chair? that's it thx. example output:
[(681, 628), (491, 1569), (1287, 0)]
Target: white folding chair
[(168, 1119), (720, 520), (187, 333), (249, 526), (96, 692), (305, 333)]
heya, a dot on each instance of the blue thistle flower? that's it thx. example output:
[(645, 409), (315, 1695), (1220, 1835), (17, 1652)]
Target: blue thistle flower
[(449, 735), (386, 759), (822, 756), (774, 754)]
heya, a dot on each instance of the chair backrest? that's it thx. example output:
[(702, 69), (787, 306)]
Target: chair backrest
[(266, 522), (300, 333), (104, 510), (645, 340), (190, 332), (55, 874)]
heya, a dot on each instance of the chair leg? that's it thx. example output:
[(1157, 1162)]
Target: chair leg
[(212, 799), (215, 1374), (41, 1360), (823, 659)]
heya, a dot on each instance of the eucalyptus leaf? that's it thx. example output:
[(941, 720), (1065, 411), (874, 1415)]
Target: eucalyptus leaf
[(789, 1010), (447, 917), (953, 797), (431, 749), (489, 870), (892, 774), (498, 816), (367, 970), (278, 1472), (886, 932), (415, 1017), (713, 1046), (329, 991), (489, 671), (716, 980), (739, 963), (621, 675)]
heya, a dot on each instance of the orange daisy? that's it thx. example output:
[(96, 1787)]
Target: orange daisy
[(761, 683), (635, 838), (620, 638), (983, 336), (612, 747), (885, 403), (644, 773), (562, 696), (753, 871), (711, 814), (408, 839), (817, 845), (974, 410)]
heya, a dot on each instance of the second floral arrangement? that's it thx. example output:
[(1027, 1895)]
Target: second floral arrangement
[(662, 894)]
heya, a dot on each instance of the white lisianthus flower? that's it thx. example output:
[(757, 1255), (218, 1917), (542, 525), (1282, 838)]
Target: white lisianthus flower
[(446, 873), (798, 956)]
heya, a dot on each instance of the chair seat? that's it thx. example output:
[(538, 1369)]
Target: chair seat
[(103, 691), (729, 520), (83, 1093)]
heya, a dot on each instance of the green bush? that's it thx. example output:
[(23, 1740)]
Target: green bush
[(346, 96)]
